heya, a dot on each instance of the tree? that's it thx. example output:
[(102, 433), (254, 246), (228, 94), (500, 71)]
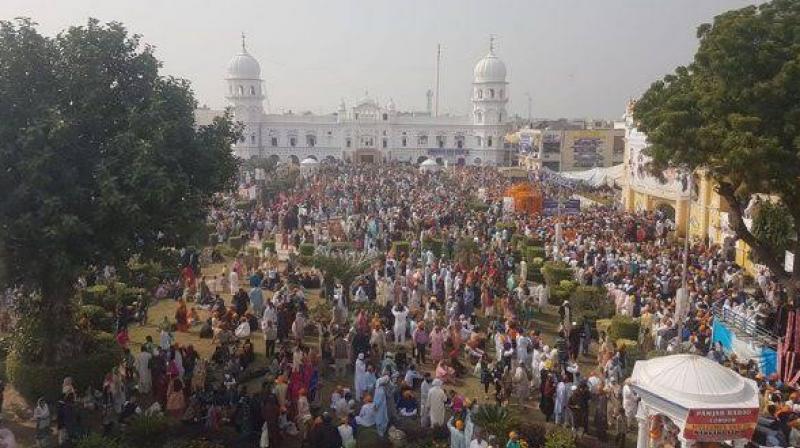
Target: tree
[(734, 113), (101, 160)]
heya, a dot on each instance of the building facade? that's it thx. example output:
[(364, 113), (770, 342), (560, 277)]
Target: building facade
[(573, 149), (368, 132)]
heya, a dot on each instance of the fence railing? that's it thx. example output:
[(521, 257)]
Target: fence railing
[(745, 326)]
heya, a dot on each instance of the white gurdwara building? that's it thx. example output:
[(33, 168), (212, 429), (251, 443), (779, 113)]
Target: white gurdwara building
[(368, 132)]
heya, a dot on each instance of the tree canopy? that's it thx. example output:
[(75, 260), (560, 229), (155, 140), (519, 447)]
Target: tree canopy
[(734, 112), (101, 158)]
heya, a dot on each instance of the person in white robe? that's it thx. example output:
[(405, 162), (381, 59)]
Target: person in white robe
[(143, 368), (436, 403), (360, 375)]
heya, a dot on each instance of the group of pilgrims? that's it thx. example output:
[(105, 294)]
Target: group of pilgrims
[(427, 333)]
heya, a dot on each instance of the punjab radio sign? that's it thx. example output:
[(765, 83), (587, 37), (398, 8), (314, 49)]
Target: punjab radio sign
[(716, 425)]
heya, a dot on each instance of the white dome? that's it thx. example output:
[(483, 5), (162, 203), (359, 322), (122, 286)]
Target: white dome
[(309, 161), (490, 69), (429, 162), (693, 381), (244, 66)]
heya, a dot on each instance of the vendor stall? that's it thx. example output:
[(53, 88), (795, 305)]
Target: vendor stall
[(699, 399)]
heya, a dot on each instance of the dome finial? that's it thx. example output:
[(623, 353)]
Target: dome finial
[(243, 41), (491, 43)]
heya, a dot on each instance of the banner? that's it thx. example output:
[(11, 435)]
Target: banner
[(551, 207), (717, 425)]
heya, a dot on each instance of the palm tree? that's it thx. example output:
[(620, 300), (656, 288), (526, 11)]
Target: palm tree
[(342, 266)]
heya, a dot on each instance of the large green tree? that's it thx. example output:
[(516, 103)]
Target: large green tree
[(101, 159), (734, 112)]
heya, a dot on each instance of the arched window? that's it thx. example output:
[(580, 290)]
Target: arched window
[(478, 117), (501, 93), (500, 117), (311, 141), (241, 90), (489, 141), (480, 94), (252, 139), (252, 91), (480, 141), (491, 93), (292, 141), (385, 117)]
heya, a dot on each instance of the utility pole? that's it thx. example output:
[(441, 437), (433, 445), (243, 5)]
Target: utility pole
[(438, 63), (528, 94), (682, 296)]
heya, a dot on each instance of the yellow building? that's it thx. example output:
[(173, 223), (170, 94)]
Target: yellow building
[(704, 213)]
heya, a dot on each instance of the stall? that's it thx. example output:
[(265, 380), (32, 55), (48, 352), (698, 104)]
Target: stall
[(692, 400), (429, 166), (308, 166)]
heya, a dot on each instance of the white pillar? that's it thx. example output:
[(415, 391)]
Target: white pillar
[(739, 443), (686, 443), (643, 436)]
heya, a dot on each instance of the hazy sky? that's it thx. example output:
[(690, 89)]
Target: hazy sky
[(576, 58)]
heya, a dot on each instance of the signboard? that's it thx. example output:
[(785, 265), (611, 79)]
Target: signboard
[(568, 207), (588, 149), (789, 262), (716, 425), (525, 143)]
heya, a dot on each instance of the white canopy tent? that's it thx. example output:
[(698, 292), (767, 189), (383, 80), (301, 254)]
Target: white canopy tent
[(308, 166), (598, 177), (429, 165), (706, 401)]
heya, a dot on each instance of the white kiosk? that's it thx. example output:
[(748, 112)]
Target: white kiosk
[(704, 400)]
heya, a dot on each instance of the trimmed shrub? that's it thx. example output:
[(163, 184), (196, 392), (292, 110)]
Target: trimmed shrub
[(623, 327), (434, 245), (268, 244), (95, 440), (592, 301), (401, 248), (227, 251), (236, 242), (559, 437), (147, 430), (342, 246), (35, 380), (94, 295), (554, 272), (534, 252), (558, 295), (98, 317), (306, 250), (603, 325)]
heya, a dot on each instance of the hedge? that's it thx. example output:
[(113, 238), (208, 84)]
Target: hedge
[(34, 381), (401, 248), (268, 244), (554, 272), (623, 327), (108, 298), (592, 301)]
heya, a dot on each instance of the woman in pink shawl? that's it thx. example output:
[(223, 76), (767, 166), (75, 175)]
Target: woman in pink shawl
[(437, 344)]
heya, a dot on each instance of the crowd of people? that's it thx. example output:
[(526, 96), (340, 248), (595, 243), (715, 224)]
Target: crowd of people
[(454, 305)]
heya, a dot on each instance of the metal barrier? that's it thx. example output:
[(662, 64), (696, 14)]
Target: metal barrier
[(745, 326)]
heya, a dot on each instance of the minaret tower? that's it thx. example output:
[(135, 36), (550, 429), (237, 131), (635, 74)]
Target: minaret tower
[(246, 97)]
